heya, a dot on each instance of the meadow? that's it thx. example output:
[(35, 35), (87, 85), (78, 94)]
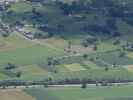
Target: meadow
[(59, 55), (71, 93), (31, 59), (24, 54)]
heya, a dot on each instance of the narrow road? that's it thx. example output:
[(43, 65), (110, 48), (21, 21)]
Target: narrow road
[(67, 86)]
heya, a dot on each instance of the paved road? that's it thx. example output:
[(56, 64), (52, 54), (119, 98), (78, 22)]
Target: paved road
[(66, 86)]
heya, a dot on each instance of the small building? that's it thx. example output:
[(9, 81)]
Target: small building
[(128, 46), (29, 35)]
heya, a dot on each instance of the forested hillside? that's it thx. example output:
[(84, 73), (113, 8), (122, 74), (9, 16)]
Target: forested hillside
[(72, 17)]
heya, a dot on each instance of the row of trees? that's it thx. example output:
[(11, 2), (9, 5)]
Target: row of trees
[(50, 81)]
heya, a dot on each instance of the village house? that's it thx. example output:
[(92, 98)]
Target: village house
[(29, 35), (9, 1)]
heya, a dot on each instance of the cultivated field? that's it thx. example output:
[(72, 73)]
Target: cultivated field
[(15, 95)]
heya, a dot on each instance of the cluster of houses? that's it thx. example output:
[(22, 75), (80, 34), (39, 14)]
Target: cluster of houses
[(7, 1), (129, 47), (4, 3), (26, 33)]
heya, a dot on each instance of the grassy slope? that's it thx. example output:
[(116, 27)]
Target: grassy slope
[(14, 95), (22, 52), (21, 7)]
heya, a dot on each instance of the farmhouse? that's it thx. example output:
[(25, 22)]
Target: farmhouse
[(8, 1), (130, 47), (29, 35)]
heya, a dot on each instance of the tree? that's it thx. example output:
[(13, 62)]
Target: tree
[(60, 28), (69, 44), (85, 56), (85, 44), (95, 47), (114, 65), (5, 34), (96, 83), (45, 85), (18, 74), (122, 54), (116, 42), (84, 85), (106, 68), (67, 9), (50, 60), (34, 11), (10, 66), (89, 41), (111, 23)]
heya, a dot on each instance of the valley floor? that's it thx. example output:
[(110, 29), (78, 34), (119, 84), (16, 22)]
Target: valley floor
[(69, 93)]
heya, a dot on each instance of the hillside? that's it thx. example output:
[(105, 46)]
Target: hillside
[(66, 49), (93, 17)]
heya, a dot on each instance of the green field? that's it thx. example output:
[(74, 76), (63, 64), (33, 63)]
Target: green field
[(31, 59), (105, 93), (70, 93), (74, 41), (21, 7), (24, 54)]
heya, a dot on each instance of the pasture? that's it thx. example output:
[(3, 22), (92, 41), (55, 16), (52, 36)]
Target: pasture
[(89, 65), (31, 72), (70, 93), (56, 42), (129, 68), (14, 41), (130, 55), (94, 74), (21, 7), (29, 55), (25, 54), (74, 67)]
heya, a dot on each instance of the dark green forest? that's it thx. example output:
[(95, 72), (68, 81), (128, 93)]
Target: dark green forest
[(73, 17)]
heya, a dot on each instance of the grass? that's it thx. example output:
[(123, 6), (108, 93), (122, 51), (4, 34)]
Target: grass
[(82, 94), (22, 52), (95, 74), (130, 55), (3, 76), (31, 72), (74, 67), (15, 95), (21, 7), (13, 42), (113, 57), (89, 65), (56, 42), (61, 68), (129, 68), (29, 55), (106, 46)]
